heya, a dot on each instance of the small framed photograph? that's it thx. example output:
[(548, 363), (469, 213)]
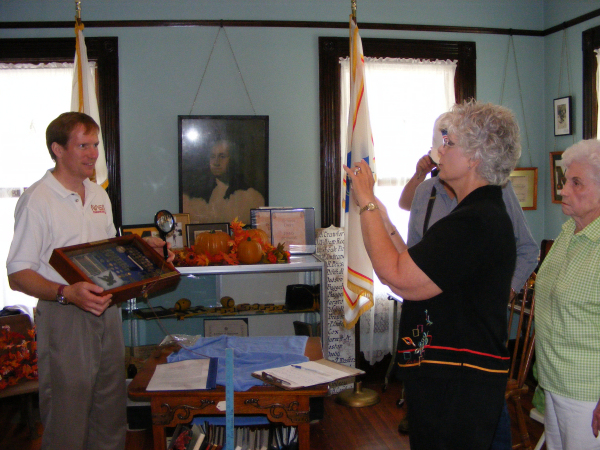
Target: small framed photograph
[(229, 327), (178, 237), (142, 230), (562, 116), (193, 229), (524, 182), (558, 176)]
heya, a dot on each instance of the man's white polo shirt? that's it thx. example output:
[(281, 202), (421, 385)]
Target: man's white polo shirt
[(49, 216)]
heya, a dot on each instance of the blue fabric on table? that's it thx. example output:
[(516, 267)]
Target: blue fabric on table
[(250, 354)]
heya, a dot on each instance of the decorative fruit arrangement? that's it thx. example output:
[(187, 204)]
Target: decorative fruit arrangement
[(244, 246)]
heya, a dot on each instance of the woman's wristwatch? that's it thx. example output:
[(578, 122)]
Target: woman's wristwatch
[(368, 207)]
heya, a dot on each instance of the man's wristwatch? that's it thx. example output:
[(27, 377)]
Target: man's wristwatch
[(60, 298), (369, 207)]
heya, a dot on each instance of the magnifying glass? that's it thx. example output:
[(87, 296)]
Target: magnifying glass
[(165, 223)]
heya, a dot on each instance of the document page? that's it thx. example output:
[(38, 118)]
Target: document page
[(182, 376), (306, 374)]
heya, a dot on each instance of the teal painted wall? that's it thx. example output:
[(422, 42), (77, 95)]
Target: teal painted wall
[(160, 70)]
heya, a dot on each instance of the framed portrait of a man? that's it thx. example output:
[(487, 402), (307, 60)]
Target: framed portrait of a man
[(223, 166)]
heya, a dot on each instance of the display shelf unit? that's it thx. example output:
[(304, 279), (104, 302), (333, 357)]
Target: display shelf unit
[(255, 283)]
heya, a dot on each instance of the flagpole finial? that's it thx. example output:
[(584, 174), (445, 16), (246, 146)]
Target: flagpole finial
[(353, 5), (78, 11)]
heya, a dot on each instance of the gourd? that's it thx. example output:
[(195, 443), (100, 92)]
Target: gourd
[(249, 251), (213, 242)]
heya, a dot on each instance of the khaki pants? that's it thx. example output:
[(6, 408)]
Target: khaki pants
[(81, 376)]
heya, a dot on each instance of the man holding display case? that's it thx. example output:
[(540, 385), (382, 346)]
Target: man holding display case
[(80, 338)]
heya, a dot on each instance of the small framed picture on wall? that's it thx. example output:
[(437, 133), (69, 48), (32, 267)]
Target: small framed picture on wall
[(562, 116), (558, 176)]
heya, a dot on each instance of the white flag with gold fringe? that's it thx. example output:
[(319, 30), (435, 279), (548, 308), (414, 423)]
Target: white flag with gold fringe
[(358, 271), (83, 99)]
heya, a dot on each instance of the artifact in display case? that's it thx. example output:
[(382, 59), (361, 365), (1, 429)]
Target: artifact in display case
[(126, 267)]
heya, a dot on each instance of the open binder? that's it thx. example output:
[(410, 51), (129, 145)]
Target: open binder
[(191, 374), (310, 373)]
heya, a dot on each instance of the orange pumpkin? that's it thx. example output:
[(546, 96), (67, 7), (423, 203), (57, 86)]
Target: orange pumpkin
[(259, 235), (249, 251), (212, 242)]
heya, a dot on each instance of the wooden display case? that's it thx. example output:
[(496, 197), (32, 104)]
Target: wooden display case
[(126, 267)]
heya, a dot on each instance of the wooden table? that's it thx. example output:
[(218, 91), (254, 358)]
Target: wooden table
[(290, 407)]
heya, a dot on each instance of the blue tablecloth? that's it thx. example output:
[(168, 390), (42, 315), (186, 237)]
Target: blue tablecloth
[(250, 354)]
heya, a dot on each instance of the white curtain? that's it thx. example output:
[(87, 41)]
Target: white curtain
[(405, 98), (598, 90), (31, 96)]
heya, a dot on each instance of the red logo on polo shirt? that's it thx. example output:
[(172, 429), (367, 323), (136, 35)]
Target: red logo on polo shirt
[(98, 209)]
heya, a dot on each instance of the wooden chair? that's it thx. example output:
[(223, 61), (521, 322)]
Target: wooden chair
[(21, 323), (521, 308)]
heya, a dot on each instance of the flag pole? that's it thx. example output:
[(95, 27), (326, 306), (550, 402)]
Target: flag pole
[(78, 11), (358, 396)]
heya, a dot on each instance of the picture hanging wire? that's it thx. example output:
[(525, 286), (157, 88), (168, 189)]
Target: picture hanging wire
[(512, 44), (221, 27), (564, 55)]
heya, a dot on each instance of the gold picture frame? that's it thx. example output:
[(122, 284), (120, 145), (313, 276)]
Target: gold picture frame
[(142, 230), (524, 182)]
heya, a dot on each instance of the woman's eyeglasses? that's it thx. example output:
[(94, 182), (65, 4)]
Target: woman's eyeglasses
[(446, 142)]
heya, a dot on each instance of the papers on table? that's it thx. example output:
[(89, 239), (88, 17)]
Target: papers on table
[(186, 375), (306, 374)]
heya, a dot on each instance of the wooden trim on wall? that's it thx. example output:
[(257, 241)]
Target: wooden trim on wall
[(333, 48), (301, 24), (590, 41), (271, 24), (103, 50)]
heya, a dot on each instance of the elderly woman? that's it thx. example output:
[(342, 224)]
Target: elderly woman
[(455, 283), (567, 312)]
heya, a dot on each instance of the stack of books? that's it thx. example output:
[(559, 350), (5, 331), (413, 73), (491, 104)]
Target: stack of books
[(209, 435)]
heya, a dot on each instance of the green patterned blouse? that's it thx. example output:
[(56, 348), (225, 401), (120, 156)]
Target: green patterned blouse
[(567, 315)]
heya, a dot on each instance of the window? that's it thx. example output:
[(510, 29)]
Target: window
[(36, 51), (330, 50), (401, 118)]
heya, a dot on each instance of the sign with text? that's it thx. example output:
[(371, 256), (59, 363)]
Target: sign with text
[(341, 343)]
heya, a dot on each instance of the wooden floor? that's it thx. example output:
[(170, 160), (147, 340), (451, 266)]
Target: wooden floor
[(342, 428)]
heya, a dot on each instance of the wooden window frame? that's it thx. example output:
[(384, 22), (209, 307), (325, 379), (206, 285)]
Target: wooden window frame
[(333, 48), (104, 51), (590, 42)]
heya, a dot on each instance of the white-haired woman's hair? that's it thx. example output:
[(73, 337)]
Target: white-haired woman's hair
[(488, 133), (586, 152)]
